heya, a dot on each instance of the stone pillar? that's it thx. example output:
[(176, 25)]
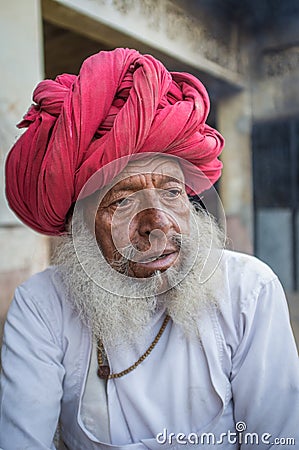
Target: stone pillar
[(23, 252), (234, 122)]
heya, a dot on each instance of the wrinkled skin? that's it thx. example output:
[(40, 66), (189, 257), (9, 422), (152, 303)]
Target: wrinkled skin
[(146, 208)]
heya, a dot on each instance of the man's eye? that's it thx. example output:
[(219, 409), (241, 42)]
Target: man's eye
[(122, 202), (172, 193)]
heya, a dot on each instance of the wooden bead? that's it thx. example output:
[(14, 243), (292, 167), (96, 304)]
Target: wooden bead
[(104, 372)]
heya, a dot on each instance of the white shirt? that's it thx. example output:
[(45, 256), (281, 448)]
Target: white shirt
[(245, 369)]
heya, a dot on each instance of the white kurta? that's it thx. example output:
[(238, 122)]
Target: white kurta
[(245, 369)]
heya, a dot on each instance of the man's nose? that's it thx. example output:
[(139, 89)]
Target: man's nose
[(153, 221)]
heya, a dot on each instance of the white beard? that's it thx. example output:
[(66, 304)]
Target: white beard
[(121, 317)]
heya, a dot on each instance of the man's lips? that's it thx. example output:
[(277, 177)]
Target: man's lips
[(153, 254), (159, 261)]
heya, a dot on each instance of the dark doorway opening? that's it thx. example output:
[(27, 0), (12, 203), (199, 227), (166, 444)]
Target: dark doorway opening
[(276, 202)]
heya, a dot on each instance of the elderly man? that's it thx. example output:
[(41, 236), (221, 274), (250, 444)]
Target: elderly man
[(144, 332)]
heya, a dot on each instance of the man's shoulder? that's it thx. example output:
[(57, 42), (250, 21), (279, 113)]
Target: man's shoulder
[(244, 278), (43, 290), (248, 281), (248, 285), (43, 283), (241, 267), (42, 307)]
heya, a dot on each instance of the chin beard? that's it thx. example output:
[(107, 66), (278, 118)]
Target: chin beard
[(118, 308)]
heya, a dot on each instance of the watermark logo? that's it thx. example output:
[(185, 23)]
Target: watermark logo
[(240, 435)]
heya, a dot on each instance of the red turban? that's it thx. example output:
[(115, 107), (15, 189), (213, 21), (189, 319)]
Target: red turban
[(121, 103)]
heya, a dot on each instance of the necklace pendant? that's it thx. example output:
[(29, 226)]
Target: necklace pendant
[(103, 372)]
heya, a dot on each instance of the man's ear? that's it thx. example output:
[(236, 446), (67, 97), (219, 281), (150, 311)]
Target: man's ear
[(68, 218), (90, 206), (197, 202)]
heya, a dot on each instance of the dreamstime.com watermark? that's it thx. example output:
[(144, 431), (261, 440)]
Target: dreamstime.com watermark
[(237, 436)]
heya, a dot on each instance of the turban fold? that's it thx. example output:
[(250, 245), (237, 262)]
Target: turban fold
[(121, 103)]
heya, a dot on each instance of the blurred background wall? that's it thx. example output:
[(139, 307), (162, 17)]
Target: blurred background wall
[(246, 53)]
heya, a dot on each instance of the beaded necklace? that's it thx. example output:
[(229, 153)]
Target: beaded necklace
[(103, 367)]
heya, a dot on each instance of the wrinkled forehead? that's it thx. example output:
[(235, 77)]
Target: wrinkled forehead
[(158, 165)]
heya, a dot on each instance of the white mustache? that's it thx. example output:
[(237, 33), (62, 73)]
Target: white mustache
[(123, 258)]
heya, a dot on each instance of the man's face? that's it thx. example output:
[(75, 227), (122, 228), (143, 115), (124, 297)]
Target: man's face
[(146, 209)]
